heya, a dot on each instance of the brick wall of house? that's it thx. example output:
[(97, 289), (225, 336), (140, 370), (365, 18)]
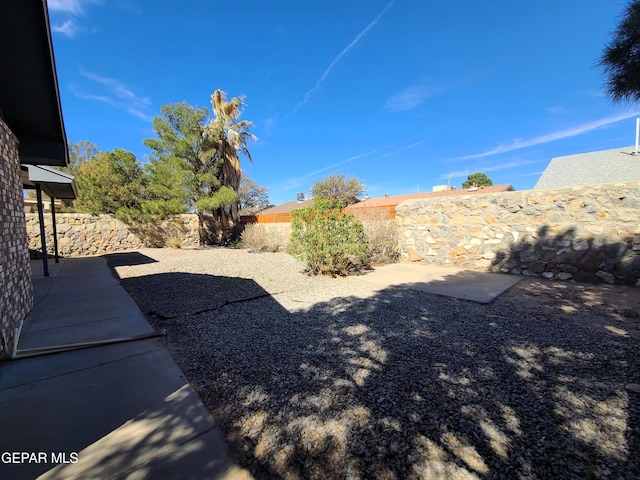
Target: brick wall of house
[(16, 291)]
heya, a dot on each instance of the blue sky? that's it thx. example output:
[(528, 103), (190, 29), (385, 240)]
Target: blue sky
[(400, 94)]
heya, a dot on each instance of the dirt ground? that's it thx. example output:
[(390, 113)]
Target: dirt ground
[(586, 304)]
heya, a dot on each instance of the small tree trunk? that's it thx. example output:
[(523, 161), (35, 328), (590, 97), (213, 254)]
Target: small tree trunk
[(201, 232)]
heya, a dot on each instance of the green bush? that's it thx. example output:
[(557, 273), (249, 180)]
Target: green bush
[(329, 241)]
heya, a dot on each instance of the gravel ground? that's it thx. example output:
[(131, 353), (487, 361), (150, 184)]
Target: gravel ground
[(335, 378)]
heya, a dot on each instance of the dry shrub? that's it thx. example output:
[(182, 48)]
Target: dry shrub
[(383, 237), (158, 233), (265, 238), (174, 242)]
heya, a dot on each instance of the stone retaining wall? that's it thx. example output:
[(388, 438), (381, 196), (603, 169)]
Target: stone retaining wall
[(583, 233), (16, 291), (83, 234)]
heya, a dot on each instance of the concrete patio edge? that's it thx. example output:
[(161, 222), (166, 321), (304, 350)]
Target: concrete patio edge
[(123, 410)]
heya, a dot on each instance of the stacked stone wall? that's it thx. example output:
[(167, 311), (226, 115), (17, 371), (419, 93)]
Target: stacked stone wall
[(16, 291), (584, 233), (84, 234)]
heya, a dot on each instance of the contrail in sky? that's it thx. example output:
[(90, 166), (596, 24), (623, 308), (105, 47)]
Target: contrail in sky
[(551, 137), (307, 95)]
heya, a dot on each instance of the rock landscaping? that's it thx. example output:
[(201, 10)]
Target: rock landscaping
[(314, 377)]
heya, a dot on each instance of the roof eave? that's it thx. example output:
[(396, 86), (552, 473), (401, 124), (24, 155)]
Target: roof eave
[(29, 93)]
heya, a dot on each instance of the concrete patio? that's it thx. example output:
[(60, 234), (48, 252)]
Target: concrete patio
[(123, 410)]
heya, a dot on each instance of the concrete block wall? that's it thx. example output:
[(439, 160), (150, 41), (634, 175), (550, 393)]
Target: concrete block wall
[(584, 233), (16, 291)]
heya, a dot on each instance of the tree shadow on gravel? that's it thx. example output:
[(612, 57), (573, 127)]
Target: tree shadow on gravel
[(563, 254), (403, 384)]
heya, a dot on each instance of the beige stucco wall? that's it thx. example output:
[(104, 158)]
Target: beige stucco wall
[(584, 233)]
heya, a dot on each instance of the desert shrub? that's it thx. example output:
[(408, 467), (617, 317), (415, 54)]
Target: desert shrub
[(264, 238), (383, 241), (328, 240), (380, 228), (174, 242), (158, 233)]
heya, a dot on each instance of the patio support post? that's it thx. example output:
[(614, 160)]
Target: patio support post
[(55, 230), (43, 241)]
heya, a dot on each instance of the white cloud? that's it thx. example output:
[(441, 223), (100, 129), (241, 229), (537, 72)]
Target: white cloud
[(491, 168), (113, 92), (344, 51), (269, 125), (73, 7), (69, 11), (304, 179), (557, 110), (350, 159), (68, 28), (520, 143), (410, 98), (414, 145)]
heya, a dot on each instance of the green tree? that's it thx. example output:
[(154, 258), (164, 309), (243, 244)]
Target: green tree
[(175, 165), (252, 195), (338, 189), (80, 153), (620, 58), (194, 164), (112, 182), (477, 180)]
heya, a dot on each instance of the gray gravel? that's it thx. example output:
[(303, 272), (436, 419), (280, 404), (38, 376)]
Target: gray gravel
[(335, 378)]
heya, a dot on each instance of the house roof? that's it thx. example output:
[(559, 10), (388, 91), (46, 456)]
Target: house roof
[(53, 182), (287, 207), (397, 199), (592, 168), (29, 95), (391, 200)]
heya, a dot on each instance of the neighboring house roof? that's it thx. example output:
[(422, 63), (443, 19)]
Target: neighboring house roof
[(390, 201), (397, 199), (287, 207), (29, 95), (592, 168)]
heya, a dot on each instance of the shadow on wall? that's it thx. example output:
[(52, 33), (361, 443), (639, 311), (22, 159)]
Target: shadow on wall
[(172, 232), (563, 255), (398, 385)]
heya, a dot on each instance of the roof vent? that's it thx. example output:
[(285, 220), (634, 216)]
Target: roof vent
[(300, 196)]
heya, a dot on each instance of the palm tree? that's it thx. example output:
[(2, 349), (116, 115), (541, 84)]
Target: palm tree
[(229, 135)]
